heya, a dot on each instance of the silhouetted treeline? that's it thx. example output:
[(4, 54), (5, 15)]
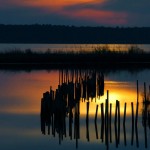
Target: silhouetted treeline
[(71, 34)]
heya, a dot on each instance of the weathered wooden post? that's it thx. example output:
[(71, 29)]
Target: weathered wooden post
[(137, 105), (124, 127), (96, 130), (132, 110), (136, 122), (110, 123), (87, 122), (106, 119), (115, 124), (96, 112), (144, 92), (102, 122), (136, 133), (124, 118), (118, 122)]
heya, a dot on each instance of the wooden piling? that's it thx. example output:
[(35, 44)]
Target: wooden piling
[(124, 117), (96, 130), (124, 131), (136, 134), (87, 122), (96, 113), (136, 117), (48, 129), (118, 122), (116, 112), (70, 122), (137, 85), (102, 122), (65, 126), (96, 122), (115, 124), (124, 121), (106, 121), (110, 123), (108, 95), (53, 130), (144, 92), (132, 110)]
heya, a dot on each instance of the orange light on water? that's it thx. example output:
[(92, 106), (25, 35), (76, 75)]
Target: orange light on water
[(124, 92), (22, 93)]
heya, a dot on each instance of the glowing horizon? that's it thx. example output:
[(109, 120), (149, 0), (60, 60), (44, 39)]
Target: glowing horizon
[(25, 96)]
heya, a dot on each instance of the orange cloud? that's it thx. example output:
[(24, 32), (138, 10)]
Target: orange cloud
[(99, 16), (78, 9), (55, 4)]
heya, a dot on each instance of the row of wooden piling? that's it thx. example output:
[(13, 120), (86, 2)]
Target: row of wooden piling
[(106, 121), (105, 126), (56, 119)]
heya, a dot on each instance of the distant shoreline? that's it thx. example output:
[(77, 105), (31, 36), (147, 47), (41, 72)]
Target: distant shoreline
[(57, 34)]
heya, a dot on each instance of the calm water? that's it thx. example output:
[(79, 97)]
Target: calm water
[(70, 47), (20, 107)]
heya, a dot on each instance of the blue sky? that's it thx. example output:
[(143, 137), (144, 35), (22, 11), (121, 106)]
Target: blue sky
[(76, 12)]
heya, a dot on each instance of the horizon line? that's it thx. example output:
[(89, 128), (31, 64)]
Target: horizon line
[(77, 26)]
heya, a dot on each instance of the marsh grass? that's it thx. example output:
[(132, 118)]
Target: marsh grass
[(98, 56)]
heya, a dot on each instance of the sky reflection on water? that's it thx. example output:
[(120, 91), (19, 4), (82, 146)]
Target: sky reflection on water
[(20, 100)]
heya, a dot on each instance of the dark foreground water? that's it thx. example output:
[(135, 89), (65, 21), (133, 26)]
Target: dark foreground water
[(20, 107)]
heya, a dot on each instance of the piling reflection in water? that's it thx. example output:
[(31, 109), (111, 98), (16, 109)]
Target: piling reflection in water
[(146, 112), (77, 86), (56, 105)]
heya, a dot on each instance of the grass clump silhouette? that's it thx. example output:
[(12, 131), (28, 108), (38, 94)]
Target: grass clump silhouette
[(100, 55)]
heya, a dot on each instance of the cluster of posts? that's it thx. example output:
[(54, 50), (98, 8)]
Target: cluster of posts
[(56, 105), (65, 102)]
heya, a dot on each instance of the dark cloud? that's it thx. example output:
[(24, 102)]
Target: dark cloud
[(138, 12), (139, 19), (115, 5), (26, 15), (127, 5)]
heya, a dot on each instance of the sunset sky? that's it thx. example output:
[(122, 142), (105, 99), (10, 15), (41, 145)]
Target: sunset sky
[(76, 12)]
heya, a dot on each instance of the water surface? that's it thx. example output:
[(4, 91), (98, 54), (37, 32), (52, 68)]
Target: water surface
[(20, 107)]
